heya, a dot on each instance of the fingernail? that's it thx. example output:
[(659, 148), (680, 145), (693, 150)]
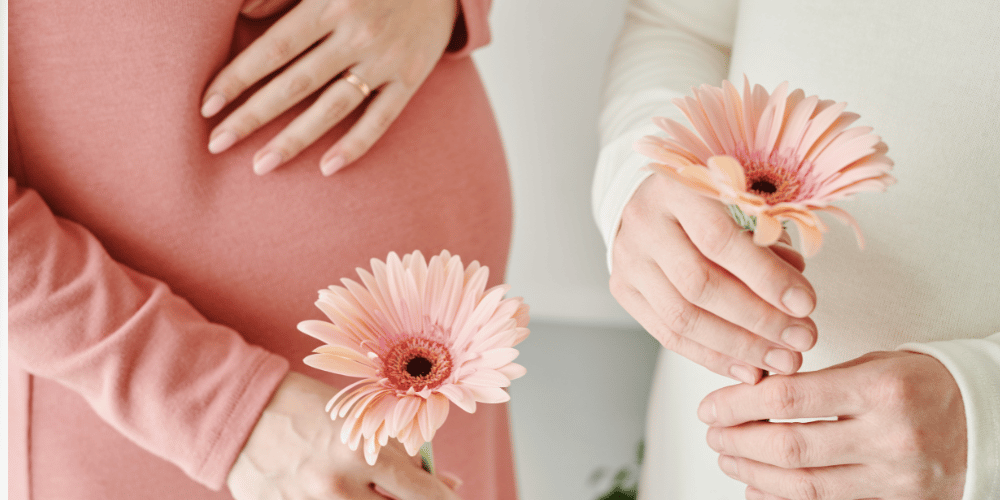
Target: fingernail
[(714, 439), (332, 165), (798, 301), (728, 465), (213, 105), (267, 163), (222, 142), (798, 337), (780, 360), (743, 374), (706, 411)]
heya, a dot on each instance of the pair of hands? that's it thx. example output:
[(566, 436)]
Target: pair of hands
[(698, 284), (390, 47), (294, 452)]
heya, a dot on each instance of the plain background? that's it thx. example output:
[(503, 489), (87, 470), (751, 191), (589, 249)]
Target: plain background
[(582, 405)]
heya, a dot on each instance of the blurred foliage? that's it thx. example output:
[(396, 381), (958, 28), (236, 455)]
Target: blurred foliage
[(625, 484)]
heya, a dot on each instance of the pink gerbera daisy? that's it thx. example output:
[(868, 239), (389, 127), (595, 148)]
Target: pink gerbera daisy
[(778, 157), (419, 335)]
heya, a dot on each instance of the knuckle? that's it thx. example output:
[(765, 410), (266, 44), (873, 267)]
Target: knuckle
[(383, 121), (680, 317), (806, 487), (791, 448), (335, 111), (619, 287), (292, 145), (780, 398), (893, 388), (249, 122), (298, 86), (715, 236), (695, 280), (362, 38), (279, 50)]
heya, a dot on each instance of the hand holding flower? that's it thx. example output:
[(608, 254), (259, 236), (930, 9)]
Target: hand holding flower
[(697, 283), (899, 432), (294, 453)]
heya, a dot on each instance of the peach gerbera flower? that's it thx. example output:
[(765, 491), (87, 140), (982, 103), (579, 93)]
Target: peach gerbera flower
[(419, 335), (778, 157)]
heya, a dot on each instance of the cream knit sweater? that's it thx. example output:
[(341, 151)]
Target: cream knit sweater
[(926, 76)]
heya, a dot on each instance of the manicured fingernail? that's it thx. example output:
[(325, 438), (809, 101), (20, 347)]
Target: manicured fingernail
[(798, 301), (743, 374), (222, 142), (332, 165), (798, 337), (267, 163), (706, 411), (213, 105), (714, 439), (780, 360), (728, 465)]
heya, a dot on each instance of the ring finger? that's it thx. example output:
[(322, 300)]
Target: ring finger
[(300, 80), (332, 106)]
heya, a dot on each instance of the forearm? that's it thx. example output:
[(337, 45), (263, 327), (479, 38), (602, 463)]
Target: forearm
[(184, 388)]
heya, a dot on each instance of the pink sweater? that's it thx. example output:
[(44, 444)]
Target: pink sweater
[(154, 288)]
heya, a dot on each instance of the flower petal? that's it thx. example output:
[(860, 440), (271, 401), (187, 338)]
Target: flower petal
[(513, 371), (458, 395), (768, 230), (337, 364)]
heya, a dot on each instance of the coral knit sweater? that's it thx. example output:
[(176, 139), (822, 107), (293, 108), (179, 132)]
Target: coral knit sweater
[(926, 76), (154, 288)]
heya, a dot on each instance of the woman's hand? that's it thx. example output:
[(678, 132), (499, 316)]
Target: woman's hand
[(295, 452), (695, 281), (900, 432), (385, 47)]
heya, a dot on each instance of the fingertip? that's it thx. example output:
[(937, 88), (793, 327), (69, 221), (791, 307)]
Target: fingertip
[(331, 165), (799, 338), (744, 374), (267, 163), (213, 105), (799, 301), (707, 411), (222, 142)]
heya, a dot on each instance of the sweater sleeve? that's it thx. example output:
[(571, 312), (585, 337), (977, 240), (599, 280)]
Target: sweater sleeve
[(186, 389), (975, 364), (472, 28), (665, 48)]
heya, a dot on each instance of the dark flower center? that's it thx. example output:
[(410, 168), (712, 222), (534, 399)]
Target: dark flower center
[(763, 186), (415, 363), (419, 367)]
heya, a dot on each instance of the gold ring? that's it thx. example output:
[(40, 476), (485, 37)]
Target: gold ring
[(358, 83)]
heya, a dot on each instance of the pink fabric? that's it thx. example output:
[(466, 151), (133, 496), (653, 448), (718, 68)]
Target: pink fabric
[(155, 288)]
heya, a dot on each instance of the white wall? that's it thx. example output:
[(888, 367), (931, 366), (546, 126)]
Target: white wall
[(543, 73)]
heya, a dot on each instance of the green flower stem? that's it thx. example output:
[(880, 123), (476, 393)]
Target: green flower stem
[(748, 222), (427, 457)]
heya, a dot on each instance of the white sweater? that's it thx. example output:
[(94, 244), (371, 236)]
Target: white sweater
[(926, 76)]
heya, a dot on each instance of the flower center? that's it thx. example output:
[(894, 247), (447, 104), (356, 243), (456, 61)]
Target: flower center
[(775, 181), (417, 363)]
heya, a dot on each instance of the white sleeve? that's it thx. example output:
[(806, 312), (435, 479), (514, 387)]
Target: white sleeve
[(665, 48), (975, 364)]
